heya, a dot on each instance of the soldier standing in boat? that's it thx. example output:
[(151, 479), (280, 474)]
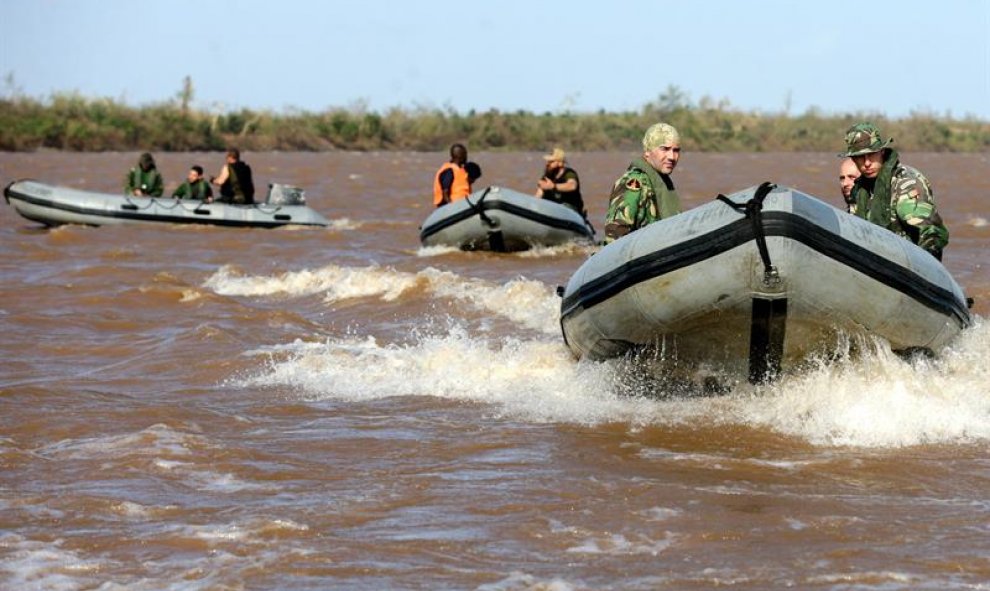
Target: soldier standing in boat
[(891, 194), (560, 183), (144, 180), (235, 181), (645, 193)]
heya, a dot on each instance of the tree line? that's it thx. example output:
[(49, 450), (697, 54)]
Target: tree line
[(68, 121)]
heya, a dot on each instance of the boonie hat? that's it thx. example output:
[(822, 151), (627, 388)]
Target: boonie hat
[(556, 156), (660, 134), (864, 138)]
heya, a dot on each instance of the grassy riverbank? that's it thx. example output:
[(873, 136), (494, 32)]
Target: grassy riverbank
[(68, 121)]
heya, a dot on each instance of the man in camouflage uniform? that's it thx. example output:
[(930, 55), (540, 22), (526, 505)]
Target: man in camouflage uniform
[(893, 195), (645, 193), (144, 180)]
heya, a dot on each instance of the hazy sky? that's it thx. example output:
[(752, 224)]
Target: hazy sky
[(881, 56)]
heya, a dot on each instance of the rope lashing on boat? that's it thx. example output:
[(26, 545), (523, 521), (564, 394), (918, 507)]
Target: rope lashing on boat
[(148, 202), (478, 209), (753, 209)]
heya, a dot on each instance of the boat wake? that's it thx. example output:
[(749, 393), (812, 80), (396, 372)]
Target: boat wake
[(860, 395)]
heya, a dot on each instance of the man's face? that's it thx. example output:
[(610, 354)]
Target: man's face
[(193, 176), (554, 166), (664, 159), (869, 165), (848, 173)]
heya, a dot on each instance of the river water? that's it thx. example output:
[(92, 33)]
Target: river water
[(190, 408)]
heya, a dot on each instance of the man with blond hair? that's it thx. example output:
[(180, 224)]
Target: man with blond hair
[(645, 193)]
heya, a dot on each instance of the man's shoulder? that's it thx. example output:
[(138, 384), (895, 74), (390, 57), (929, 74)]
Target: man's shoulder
[(910, 179), (634, 179)]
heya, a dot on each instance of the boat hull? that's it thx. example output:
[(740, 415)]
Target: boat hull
[(54, 205), (697, 287), (503, 220)]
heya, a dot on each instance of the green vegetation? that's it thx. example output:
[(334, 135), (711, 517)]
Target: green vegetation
[(67, 121)]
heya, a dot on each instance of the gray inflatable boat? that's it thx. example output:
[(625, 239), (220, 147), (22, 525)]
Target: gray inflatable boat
[(54, 205), (503, 220), (757, 282)]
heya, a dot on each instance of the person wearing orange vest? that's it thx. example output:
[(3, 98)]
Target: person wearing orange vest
[(453, 180)]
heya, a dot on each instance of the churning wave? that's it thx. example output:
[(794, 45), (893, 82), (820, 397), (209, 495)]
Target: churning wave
[(876, 399)]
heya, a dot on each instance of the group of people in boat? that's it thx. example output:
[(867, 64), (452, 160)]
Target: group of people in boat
[(875, 186), (234, 181), (559, 183)]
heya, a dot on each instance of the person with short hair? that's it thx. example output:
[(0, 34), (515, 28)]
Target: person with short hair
[(892, 194), (195, 186), (560, 183), (144, 180), (455, 177), (848, 173), (645, 193), (235, 180)]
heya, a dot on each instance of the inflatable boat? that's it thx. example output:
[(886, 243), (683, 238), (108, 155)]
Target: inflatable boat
[(503, 220), (54, 205), (755, 283)]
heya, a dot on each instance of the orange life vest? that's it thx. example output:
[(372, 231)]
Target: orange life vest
[(460, 188)]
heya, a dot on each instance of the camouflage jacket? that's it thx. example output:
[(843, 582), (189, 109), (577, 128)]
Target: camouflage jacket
[(639, 197), (149, 182), (197, 190), (909, 209)]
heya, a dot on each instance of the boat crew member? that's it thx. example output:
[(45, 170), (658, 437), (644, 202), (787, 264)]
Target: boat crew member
[(235, 181), (848, 173), (195, 186), (144, 180), (891, 194), (453, 180), (560, 183), (645, 193)]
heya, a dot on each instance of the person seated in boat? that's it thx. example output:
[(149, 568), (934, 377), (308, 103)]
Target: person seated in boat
[(848, 173), (644, 193), (144, 180), (195, 186), (235, 180), (560, 183), (892, 194), (454, 179)]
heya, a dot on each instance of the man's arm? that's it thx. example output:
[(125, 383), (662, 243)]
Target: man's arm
[(157, 187), (626, 211), (446, 182), (915, 207)]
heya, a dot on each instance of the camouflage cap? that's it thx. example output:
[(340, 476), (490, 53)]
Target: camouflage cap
[(660, 134), (864, 138)]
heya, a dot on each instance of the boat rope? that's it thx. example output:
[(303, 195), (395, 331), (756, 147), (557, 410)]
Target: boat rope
[(478, 209), (149, 201), (753, 209)]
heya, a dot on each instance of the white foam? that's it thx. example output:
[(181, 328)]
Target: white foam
[(156, 440), (568, 248), (885, 401), (435, 251), (518, 580), (879, 400), (618, 544), (30, 564), (530, 303)]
